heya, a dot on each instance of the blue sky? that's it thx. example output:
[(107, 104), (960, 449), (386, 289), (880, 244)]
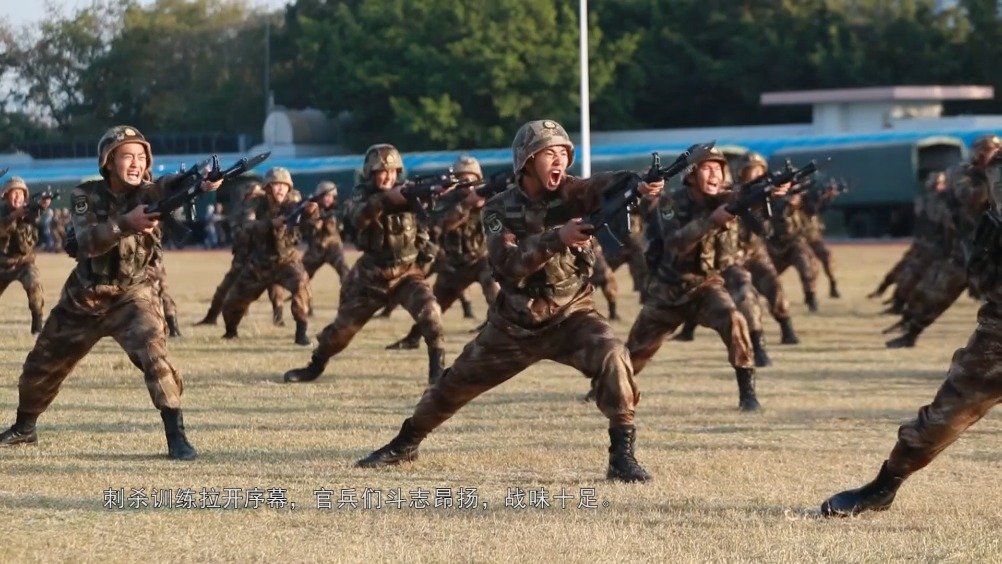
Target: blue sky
[(20, 12)]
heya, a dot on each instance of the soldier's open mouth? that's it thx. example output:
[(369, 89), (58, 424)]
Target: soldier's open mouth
[(554, 178)]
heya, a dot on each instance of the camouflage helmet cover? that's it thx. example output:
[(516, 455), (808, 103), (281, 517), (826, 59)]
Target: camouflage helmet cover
[(381, 156), (714, 156), (115, 138), (278, 175), (535, 136), (14, 183), (326, 186), (751, 159), (468, 165)]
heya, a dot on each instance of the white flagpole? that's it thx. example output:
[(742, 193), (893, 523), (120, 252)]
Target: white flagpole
[(585, 150)]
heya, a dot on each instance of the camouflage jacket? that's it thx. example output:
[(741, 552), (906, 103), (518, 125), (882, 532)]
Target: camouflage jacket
[(18, 237), (388, 234), (324, 231), (693, 249), (461, 233), (969, 196), (270, 245), (788, 224), (542, 280)]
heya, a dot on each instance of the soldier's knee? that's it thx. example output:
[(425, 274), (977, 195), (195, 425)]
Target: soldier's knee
[(164, 383)]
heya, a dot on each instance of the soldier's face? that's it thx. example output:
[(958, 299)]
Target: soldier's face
[(467, 177), (549, 166), (328, 200), (710, 177), (384, 179), (15, 199), (129, 163), (278, 191), (752, 172), (940, 183)]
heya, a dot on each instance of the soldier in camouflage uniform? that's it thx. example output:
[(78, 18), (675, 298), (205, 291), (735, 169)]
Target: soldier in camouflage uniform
[(930, 216), (691, 239), (814, 204), (632, 252), (241, 216), (945, 278), (973, 384), (388, 234), (788, 247), (462, 261), (604, 279), (324, 236), (158, 273), (273, 258), (18, 238), (109, 293), (540, 251)]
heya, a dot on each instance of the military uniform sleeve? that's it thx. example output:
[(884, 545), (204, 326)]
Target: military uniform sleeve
[(585, 195), (513, 258), (369, 208), (94, 238), (452, 216), (6, 219)]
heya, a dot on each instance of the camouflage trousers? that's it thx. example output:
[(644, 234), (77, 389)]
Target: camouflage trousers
[(366, 290), (915, 266), (583, 341), (766, 281), (28, 276), (632, 255), (711, 306), (452, 280), (738, 282), (253, 280), (603, 278), (333, 255), (798, 255), (134, 319), (824, 256), (275, 293), (943, 282), (158, 274), (973, 386)]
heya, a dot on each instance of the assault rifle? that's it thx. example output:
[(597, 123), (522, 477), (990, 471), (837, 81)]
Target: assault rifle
[(183, 191), (421, 191), (760, 192), (611, 223), (486, 189)]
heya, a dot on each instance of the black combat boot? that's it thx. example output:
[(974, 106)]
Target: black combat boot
[(623, 465), (613, 315), (789, 336), (301, 338), (812, 302), (403, 448), (758, 347), (36, 323), (904, 341), (688, 332), (231, 333), (172, 329), (467, 308), (833, 290), (875, 496), (310, 372), (178, 446), (746, 389), (436, 365), (22, 432), (411, 341)]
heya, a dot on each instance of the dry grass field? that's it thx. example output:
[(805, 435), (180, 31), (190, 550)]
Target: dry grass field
[(728, 486)]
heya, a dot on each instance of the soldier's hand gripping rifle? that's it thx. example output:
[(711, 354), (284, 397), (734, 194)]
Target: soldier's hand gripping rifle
[(184, 190), (296, 215), (612, 221), (421, 191), (759, 192), (486, 189)]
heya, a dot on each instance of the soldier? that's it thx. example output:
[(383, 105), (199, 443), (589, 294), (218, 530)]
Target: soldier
[(325, 235), (158, 273), (604, 279), (540, 250), (814, 204), (973, 384), (787, 246), (462, 261), (945, 278), (691, 238), (18, 237), (388, 234), (242, 215), (273, 259), (632, 252), (109, 293)]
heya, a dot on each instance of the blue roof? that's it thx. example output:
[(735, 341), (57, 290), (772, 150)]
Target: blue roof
[(41, 172)]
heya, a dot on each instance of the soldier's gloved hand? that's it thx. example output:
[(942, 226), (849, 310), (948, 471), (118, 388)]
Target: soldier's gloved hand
[(138, 221), (651, 188), (576, 233), (721, 216)]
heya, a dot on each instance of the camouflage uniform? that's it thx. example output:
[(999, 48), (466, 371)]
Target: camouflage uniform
[(108, 294), (273, 260), (324, 238), (632, 252), (544, 310), (788, 247), (158, 273), (18, 238), (814, 232), (604, 279), (689, 252), (973, 384), (388, 235)]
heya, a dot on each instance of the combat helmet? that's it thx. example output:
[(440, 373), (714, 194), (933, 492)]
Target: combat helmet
[(714, 155), (466, 164), (751, 159), (14, 183), (278, 175), (325, 186), (535, 136), (115, 138), (381, 156)]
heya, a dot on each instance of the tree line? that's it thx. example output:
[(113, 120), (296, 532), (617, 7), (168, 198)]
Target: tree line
[(448, 74)]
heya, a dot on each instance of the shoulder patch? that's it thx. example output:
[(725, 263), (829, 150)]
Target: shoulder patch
[(492, 222), (80, 205), (667, 209)]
